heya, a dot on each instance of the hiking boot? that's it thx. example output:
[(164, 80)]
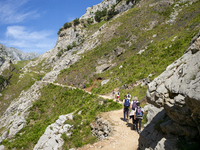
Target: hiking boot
[(139, 131), (127, 120)]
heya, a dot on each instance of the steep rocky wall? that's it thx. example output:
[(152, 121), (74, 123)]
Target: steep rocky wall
[(174, 98)]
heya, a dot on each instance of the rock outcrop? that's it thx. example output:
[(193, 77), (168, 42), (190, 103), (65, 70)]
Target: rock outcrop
[(14, 118), (6, 73), (175, 102), (100, 128), (52, 137)]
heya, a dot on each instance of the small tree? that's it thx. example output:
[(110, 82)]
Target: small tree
[(74, 44), (60, 31), (69, 47), (67, 25), (100, 14), (76, 22), (90, 21)]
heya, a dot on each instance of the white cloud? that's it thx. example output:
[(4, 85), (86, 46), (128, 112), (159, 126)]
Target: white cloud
[(12, 11), (29, 41)]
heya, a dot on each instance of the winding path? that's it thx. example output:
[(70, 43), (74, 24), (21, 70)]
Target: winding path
[(123, 136)]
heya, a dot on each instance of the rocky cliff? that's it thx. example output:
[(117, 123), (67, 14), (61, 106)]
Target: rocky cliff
[(174, 103), (15, 54)]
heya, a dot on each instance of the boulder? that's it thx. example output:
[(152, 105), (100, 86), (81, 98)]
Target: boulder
[(119, 51), (2, 147), (174, 102), (100, 128), (51, 139)]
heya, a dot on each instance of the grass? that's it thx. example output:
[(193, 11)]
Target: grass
[(17, 85), (157, 56), (56, 101)]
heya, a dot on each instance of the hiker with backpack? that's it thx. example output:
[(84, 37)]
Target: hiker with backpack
[(118, 95), (113, 92), (139, 112), (129, 96), (132, 109), (126, 105)]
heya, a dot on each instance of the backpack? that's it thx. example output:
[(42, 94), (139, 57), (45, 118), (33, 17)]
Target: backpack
[(126, 103), (128, 96), (139, 112), (134, 105)]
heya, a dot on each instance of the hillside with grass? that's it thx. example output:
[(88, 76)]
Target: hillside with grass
[(143, 28), (126, 43)]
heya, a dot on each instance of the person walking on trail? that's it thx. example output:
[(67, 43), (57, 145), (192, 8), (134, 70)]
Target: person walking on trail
[(133, 107), (118, 95), (126, 105), (129, 96), (113, 92), (139, 112)]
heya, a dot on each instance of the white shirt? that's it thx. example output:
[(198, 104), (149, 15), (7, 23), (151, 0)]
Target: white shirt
[(132, 111)]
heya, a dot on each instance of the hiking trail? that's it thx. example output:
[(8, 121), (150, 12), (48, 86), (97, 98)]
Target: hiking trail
[(123, 136)]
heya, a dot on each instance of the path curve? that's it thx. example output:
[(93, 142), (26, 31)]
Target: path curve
[(123, 136)]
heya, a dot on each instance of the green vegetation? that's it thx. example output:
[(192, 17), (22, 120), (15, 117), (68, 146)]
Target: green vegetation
[(69, 47), (99, 14), (61, 29), (76, 22), (90, 21), (67, 25), (160, 51), (17, 85), (56, 101)]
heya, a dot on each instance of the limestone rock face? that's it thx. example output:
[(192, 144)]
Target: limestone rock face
[(5, 72), (51, 139), (90, 12), (176, 92), (14, 118)]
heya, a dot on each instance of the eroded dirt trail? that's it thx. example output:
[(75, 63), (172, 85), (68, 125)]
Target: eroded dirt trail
[(123, 136)]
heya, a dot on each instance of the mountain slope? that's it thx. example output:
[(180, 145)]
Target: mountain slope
[(16, 54)]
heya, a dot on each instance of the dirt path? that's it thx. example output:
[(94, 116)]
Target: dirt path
[(123, 138)]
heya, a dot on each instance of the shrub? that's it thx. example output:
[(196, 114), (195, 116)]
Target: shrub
[(67, 25), (69, 47), (99, 14), (90, 21), (111, 13), (76, 22), (60, 31), (74, 44)]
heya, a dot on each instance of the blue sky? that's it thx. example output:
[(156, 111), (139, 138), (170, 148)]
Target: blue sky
[(32, 25)]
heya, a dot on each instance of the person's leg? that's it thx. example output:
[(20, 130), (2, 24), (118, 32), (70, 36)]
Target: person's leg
[(127, 112), (136, 124), (124, 113), (140, 121), (133, 120)]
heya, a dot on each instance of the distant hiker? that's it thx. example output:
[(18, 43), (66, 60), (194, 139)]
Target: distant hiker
[(113, 92), (84, 86), (129, 96), (118, 95), (139, 112), (126, 105), (133, 106), (39, 78)]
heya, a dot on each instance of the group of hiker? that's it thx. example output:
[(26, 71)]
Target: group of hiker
[(133, 110)]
